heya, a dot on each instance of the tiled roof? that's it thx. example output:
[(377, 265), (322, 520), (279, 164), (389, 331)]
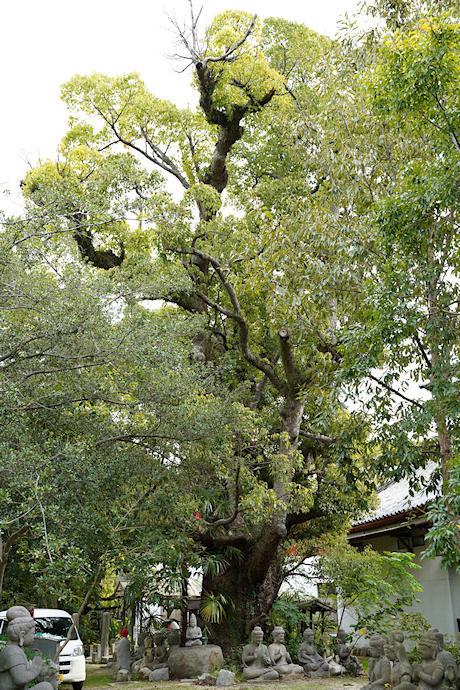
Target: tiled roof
[(395, 498)]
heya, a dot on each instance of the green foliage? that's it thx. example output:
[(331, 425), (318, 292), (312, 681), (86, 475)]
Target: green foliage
[(248, 78), (451, 645), (286, 613), (212, 606), (374, 587), (413, 624), (443, 537)]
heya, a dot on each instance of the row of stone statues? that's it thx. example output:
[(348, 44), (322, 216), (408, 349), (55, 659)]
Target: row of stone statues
[(390, 667), (154, 651), (262, 663)]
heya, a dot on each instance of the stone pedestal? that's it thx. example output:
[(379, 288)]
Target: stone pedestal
[(189, 662)]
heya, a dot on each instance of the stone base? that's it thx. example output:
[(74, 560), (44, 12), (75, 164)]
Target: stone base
[(225, 678), (317, 674), (295, 675), (123, 676), (159, 674), (187, 662)]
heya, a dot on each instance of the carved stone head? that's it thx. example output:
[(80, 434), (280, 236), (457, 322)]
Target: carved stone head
[(21, 626), (309, 635), (257, 635), (278, 634), (428, 645)]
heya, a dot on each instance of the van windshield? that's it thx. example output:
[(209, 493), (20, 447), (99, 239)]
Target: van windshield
[(54, 626)]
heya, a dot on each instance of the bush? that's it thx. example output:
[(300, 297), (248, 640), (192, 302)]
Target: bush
[(451, 645)]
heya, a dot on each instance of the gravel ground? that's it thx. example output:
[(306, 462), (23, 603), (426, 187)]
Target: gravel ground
[(100, 678)]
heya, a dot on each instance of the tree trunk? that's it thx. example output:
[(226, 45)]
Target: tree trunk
[(5, 548), (249, 598), (437, 350), (251, 584)]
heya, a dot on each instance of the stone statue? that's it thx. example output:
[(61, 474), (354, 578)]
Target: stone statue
[(401, 670), (344, 656), (257, 665), (313, 663), (280, 657), (16, 672), (193, 633), (173, 635), (451, 673), (123, 652), (148, 655), (430, 673), (140, 645), (380, 668), (160, 659), (144, 666)]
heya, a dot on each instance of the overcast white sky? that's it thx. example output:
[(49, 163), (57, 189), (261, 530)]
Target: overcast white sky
[(45, 42)]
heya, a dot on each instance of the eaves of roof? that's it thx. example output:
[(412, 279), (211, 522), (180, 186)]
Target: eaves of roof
[(391, 523), (397, 502)]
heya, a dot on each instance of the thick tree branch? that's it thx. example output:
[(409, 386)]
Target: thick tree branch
[(288, 359), (236, 315), (318, 437), (223, 522)]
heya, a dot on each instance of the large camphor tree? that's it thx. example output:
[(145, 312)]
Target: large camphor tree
[(246, 246)]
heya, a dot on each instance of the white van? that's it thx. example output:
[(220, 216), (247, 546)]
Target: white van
[(54, 624)]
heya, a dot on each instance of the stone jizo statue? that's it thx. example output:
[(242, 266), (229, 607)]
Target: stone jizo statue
[(193, 633), (280, 657), (257, 665), (147, 655), (451, 672), (401, 670), (16, 672), (313, 663), (430, 673), (173, 635), (124, 652), (344, 656), (160, 659), (380, 668)]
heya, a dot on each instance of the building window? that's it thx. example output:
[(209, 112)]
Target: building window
[(403, 544)]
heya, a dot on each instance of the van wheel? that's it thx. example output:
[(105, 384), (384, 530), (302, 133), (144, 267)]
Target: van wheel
[(77, 686)]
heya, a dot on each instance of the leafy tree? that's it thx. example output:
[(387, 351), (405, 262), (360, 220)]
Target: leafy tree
[(77, 376), (408, 341), (277, 450)]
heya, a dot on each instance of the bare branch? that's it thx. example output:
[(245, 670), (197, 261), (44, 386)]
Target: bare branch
[(225, 57), (318, 437), (395, 392), (422, 350)]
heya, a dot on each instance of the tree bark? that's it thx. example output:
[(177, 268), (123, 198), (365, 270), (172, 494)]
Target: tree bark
[(5, 548), (251, 586), (252, 582)]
